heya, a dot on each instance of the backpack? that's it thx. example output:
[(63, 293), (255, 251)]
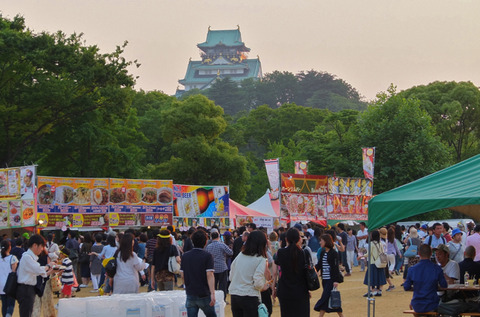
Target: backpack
[(430, 240), (382, 261), (111, 265)]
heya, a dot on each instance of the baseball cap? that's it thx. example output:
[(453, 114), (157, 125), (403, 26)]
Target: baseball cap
[(424, 227), (442, 247), (455, 231), (298, 227), (227, 233), (213, 230)]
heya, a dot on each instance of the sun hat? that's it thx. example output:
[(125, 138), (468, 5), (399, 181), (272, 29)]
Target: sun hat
[(383, 232), (455, 231), (413, 233), (443, 247)]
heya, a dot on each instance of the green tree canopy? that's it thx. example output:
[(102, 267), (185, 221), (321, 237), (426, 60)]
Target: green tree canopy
[(198, 155), (455, 111), (404, 138), (48, 80)]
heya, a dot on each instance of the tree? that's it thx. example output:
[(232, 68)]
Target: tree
[(48, 80), (325, 91), (277, 88), (199, 156), (405, 141), (226, 93), (455, 111)]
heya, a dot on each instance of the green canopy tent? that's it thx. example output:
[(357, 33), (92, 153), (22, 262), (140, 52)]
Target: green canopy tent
[(456, 187)]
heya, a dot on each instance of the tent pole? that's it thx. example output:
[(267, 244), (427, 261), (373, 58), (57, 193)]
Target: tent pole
[(370, 299)]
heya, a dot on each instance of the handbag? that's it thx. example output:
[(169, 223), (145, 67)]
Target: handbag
[(10, 288), (382, 261), (335, 300), (84, 258), (412, 250), (173, 265), (56, 284), (313, 283), (40, 286), (262, 310)]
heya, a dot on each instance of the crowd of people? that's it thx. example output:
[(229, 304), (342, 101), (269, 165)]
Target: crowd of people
[(252, 265)]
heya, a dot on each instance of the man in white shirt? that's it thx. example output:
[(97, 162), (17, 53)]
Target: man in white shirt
[(362, 236), (450, 268), (28, 270)]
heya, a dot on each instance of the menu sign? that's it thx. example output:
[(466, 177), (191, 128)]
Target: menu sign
[(93, 202), (184, 223), (17, 197), (201, 201)]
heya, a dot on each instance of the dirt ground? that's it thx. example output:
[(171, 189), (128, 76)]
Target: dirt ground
[(391, 304)]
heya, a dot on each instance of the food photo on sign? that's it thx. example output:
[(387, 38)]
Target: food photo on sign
[(27, 182)]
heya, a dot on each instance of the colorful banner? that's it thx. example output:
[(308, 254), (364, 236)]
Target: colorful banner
[(368, 155), (301, 167), (201, 201), (306, 184), (273, 170), (347, 207)]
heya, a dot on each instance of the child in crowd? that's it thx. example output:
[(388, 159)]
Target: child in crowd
[(361, 256), (67, 274)]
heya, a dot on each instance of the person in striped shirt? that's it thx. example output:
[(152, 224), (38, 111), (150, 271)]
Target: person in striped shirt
[(67, 274)]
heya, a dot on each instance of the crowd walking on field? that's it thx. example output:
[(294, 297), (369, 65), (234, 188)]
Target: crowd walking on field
[(256, 267)]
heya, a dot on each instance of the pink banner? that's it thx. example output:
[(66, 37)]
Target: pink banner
[(368, 155), (273, 173)]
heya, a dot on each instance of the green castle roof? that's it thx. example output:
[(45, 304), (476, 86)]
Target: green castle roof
[(223, 37), (253, 65)]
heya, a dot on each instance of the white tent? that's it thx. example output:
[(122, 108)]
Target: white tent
[(264, 205)]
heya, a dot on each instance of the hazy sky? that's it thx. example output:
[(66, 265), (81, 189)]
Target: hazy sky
[(369, 43)]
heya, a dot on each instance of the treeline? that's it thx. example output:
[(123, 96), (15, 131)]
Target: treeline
[(319, 90), (74, 112)]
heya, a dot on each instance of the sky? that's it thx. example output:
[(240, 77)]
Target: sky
[(370, 44)]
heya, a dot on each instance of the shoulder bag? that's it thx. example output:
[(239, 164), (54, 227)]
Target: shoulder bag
[(313, 283), (412, 250), (173, 265), (382, 261), (10, 288)]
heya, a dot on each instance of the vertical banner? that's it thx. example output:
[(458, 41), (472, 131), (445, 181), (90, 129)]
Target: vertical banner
[(273, 173), (368, 155), (301, 167)]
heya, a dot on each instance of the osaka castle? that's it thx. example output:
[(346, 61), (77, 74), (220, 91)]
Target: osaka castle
[(223, 55)]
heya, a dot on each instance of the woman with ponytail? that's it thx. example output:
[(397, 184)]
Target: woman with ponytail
[(8, 263)]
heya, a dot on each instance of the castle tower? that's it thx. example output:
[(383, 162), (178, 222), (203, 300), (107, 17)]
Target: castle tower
[(223, 54)]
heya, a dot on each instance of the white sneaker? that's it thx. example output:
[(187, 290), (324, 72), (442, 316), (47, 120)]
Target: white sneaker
[(83, 285), (94, 291)]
